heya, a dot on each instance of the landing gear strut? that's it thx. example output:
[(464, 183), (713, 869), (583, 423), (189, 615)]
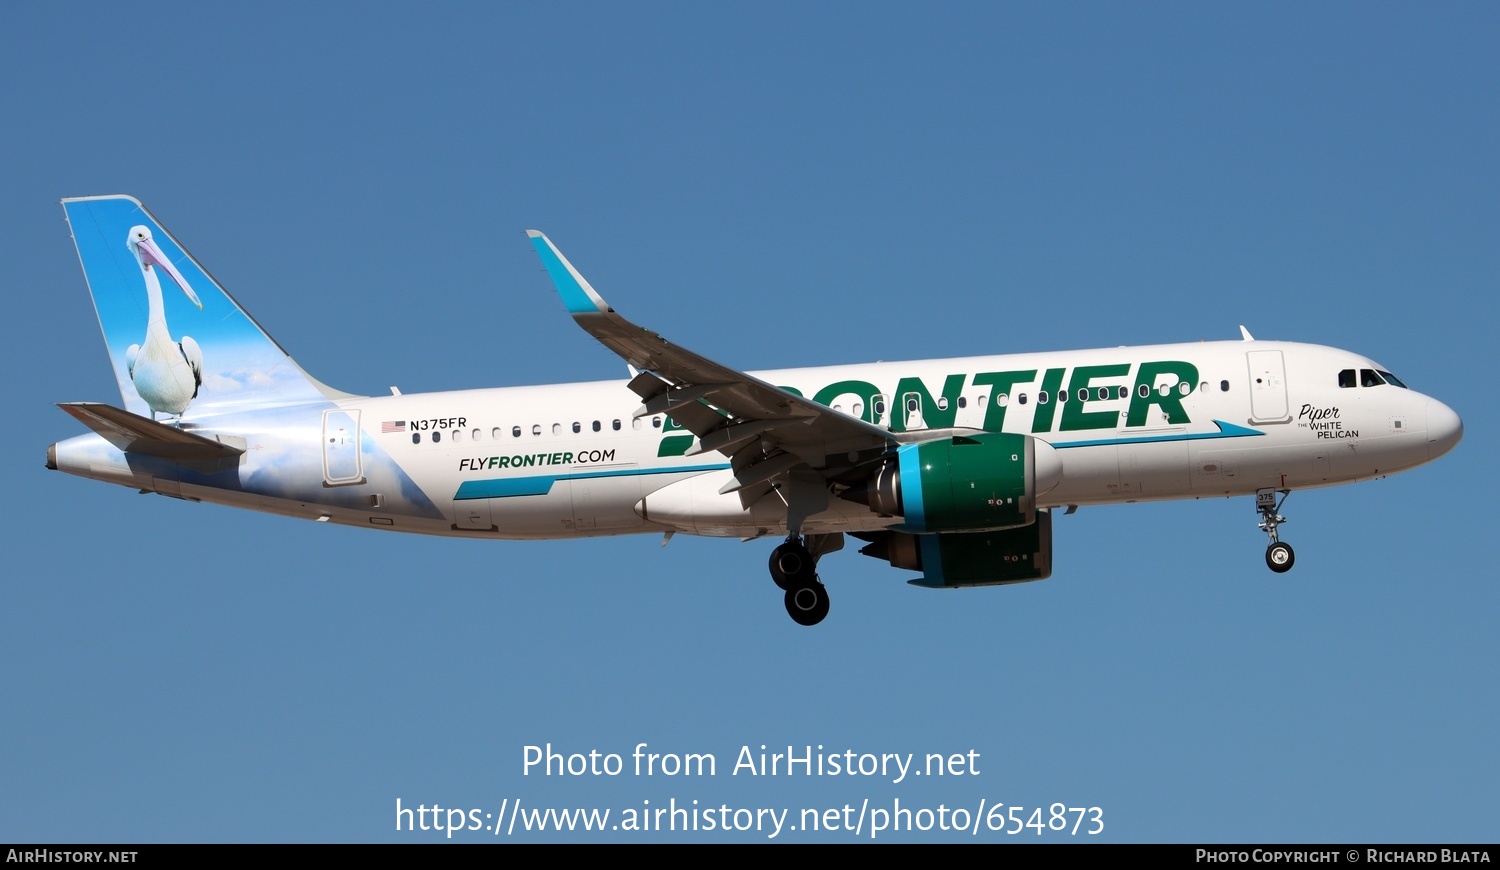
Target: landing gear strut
[(1279, 556), (794, 569)]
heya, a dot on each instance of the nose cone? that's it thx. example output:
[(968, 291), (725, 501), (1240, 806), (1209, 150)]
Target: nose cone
[(1444, 428)]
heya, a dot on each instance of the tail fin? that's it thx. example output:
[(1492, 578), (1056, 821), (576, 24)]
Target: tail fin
[(180, 345)]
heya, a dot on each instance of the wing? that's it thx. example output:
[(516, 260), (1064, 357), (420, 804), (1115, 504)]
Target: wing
[(771, 435)]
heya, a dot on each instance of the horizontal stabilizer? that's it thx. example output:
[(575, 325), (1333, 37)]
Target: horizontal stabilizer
[(133, 433)]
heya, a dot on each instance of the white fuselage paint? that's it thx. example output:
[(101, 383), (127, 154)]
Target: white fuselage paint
[(1313, 433)]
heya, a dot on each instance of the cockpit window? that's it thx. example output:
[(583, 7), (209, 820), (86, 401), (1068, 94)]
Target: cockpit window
[(1368, 378), (1393, 380), (1346, 378)]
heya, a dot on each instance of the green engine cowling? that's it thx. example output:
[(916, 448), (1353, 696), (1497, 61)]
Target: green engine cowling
[(966, 483), (955, 559)]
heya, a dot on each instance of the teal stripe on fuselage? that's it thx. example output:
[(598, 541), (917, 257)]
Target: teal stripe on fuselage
[(509, 487), (1226, 430)]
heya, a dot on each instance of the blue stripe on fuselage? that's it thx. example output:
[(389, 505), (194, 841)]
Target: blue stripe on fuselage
[(508, 487), (1226, 430)]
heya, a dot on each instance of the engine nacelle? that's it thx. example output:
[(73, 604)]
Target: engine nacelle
[(964, 483), (973, 558)]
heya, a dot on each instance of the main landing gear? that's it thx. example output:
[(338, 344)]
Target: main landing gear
[(795, 569), (1279, 556)]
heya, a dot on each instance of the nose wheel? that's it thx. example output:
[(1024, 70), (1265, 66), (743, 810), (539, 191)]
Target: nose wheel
[(794, 570), (1279, 555)]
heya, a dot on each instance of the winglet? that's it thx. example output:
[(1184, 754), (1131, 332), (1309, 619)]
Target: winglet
[(576, 293), (1246, 333)]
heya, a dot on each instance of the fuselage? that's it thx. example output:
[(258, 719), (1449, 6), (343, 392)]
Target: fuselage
[(1127, 424)]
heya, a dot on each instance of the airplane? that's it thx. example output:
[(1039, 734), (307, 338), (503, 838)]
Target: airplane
[(948, 467)]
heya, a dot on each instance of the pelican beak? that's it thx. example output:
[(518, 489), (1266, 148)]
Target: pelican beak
[(151, 255)]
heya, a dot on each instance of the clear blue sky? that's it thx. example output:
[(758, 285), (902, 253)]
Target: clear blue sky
[(773, 185)]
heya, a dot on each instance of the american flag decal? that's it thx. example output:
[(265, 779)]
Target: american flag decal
[(392, 426)]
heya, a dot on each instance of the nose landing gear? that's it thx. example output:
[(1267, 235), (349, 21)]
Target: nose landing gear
[(794, 569), (1279, 555)]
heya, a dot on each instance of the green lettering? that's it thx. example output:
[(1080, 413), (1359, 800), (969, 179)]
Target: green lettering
[(933, 416), (1074, 416), (863, 389), (1002, 383), (1171, 403), (1051, 381), (674, 445)]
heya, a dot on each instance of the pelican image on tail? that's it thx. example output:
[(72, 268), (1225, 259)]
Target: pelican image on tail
[(166, 373)]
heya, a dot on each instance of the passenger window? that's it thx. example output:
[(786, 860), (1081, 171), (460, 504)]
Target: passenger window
[(655, 422), (617, 425), (1124, 393), (515, 431), (458, 435), (1162, 390), (416, 437), (1022, 398), (962, 402), (436, 437), (495, 434), (1184, 388), (577, 427), (477, 434), (1002, 399), (942, 403), (556, 428), (1041, 397), (857, 409), (1083, 394), (1103, 393), (597, 426), (1062, 396), (1144, 391), (536, 428), (636, 423), (1346, 378), (1223, 386)]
